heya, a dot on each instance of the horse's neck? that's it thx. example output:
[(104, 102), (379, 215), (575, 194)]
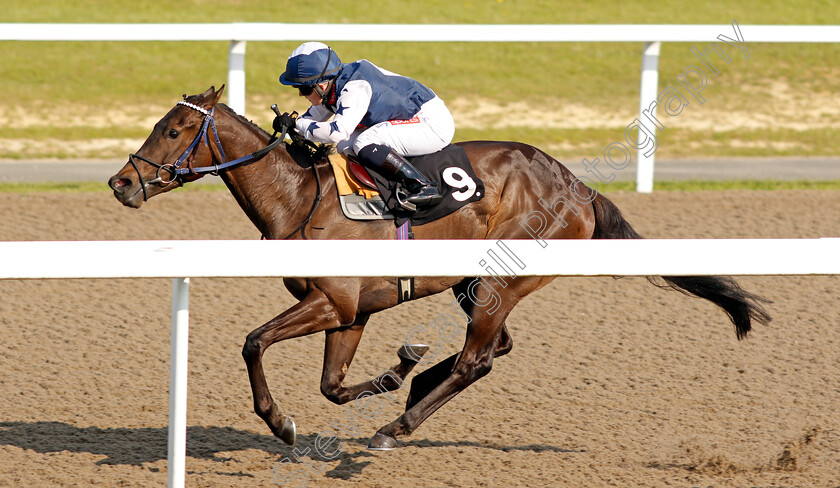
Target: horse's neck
[(271, 191)]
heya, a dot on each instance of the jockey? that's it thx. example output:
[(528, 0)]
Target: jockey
[(378, 116)]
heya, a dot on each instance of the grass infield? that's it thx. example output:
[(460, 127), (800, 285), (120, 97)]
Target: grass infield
[(100, 99)]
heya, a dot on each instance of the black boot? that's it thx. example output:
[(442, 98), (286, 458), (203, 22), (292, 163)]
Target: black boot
[(420, 192)]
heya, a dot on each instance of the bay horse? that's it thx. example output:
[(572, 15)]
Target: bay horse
[(276, 191)]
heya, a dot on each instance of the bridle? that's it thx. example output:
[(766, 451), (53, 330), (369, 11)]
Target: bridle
[(178, 169), (183, 165)]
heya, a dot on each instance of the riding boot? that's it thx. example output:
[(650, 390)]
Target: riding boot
[(421, 193)]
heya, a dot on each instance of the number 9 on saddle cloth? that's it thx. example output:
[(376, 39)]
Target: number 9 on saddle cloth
[(448, 169)]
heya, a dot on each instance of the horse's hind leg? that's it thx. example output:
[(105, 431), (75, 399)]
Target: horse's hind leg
[(426, 381), (339, 349), (474, 361)]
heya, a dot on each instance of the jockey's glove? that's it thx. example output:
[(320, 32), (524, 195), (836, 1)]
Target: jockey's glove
[(284, 122)]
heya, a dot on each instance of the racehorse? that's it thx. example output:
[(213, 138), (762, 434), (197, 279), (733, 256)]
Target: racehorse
[(276, 188)]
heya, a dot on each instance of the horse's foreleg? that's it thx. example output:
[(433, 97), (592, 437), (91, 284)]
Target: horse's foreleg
[(312, 314), (339, 349)]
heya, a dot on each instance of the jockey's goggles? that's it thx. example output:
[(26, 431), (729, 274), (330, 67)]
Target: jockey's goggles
[(305, 90)]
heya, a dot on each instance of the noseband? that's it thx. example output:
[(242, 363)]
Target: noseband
[(177, 170)]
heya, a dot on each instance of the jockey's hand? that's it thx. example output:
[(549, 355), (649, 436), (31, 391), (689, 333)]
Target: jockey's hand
[(284, 122)]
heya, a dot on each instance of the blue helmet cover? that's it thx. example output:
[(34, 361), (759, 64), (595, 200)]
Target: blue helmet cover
[(310, 63)]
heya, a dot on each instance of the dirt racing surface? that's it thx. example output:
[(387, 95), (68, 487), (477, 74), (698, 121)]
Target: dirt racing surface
[(610, 382)]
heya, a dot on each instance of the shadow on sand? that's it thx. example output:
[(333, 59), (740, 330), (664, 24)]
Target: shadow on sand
[(137, 446)]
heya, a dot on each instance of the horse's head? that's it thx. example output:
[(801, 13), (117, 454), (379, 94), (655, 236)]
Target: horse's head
[(180, 140)]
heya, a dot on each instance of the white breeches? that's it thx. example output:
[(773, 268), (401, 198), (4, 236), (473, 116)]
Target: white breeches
[(429, 131)]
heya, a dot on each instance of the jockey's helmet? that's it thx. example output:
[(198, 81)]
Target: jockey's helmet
[(311, 63)]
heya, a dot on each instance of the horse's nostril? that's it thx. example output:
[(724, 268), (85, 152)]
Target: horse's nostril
[(119, 184)]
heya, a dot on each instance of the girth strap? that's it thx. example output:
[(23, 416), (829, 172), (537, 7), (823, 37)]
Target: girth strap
[(405, 285)]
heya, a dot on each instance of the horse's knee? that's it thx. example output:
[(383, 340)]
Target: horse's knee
[(469, 374), (252, 349)]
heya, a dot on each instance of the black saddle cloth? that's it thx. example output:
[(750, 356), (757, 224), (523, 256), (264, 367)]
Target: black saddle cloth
[(450, 171)]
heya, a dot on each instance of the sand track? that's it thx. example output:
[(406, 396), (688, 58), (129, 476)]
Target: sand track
[(610, 382)]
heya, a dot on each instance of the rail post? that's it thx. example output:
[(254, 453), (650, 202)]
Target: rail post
[(177, 443), (236, 76), (647, 95)]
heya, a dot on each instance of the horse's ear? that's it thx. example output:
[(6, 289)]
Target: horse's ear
[(208, 93), (211, 96), (218, 94)]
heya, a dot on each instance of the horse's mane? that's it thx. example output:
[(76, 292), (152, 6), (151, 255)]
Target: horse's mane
[(242, 119), (313, 155)]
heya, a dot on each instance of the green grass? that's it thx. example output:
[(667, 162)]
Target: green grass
[(684, 186), (70, 187), (428, 11), (82, 78), (604, 75), (72, 133), (130, 72)]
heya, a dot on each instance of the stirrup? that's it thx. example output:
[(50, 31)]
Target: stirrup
[(404, 204), (432, 199)]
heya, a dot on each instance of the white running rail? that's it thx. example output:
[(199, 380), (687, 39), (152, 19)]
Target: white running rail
[(95, 259)]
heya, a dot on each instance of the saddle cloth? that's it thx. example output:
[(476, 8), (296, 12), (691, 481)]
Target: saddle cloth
[(448, 169), (359, 201)]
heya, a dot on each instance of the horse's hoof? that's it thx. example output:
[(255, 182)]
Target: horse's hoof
[(412, 352), (381, 442), (287, 433)]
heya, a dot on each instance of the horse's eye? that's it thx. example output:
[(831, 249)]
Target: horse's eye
[(173, 134)]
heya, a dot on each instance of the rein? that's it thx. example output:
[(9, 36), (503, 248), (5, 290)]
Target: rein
[(315, 203), (178, 172)]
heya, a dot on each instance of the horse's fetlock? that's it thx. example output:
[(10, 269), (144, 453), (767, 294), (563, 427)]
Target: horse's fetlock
[(263, 408), (330, 392)]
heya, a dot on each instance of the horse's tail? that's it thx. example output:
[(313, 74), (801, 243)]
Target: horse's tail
[(741, 306)]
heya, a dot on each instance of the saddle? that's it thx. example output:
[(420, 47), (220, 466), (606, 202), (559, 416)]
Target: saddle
[(367, 195), (357, 193)]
